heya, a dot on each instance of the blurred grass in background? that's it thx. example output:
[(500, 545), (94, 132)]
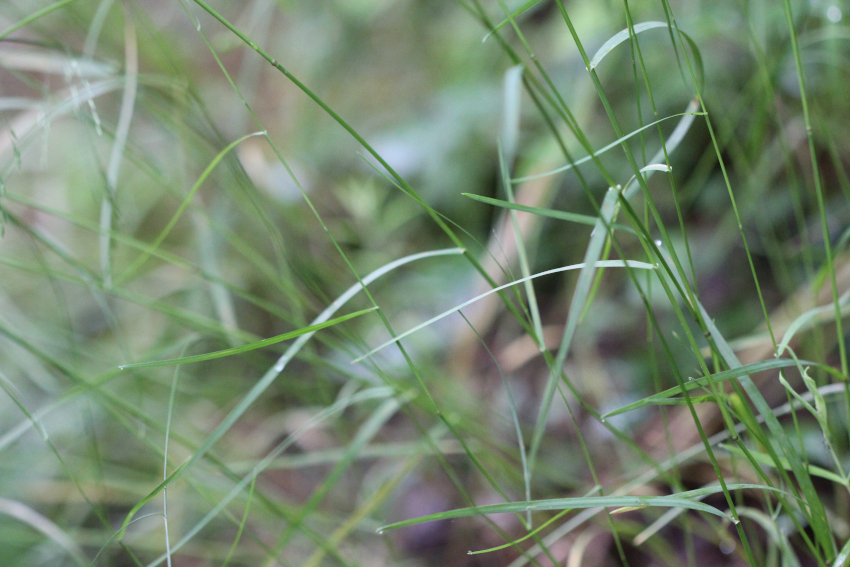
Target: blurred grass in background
[(142, 221)]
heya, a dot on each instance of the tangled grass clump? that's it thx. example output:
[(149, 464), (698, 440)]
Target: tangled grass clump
[(340, 283)]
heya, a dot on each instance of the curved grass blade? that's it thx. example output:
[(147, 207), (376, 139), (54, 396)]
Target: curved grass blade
[(656, 167), (182, 208), (248, 347), (604, 264), (34, 16), (555, 518), (129, 518), (822, 314), (619, 38), (551, 213), (670, 144), (116, 534), (649, 170), (680, 500), (616, 143), (702, 381), (625, 35), (562, 504)]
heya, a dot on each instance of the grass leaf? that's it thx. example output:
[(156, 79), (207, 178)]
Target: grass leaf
[(248, 347)]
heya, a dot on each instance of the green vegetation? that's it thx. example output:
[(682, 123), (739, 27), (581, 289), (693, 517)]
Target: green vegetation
[(411, 282)]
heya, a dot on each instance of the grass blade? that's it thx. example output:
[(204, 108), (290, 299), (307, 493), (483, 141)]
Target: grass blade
[(293, 350), (765, 459), (703, 381), (551, 213), (681, 500), (577, 305), (128, 102), (519, 11), (134, 267), (603, 264), (619, 38), (597, 153), (34, 16), (248, 347)]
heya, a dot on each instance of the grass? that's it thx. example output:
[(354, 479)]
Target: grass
[(237, 239)]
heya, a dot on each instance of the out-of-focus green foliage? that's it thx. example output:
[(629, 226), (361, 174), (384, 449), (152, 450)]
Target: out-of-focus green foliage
[(168, 193)]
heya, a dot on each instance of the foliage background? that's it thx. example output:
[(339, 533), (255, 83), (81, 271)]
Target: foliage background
[(248, 258)]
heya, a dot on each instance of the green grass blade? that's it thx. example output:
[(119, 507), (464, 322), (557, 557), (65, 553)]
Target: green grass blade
[(536, 530), (577, 305), (248, 347), (372, 426), (618, 142), (518, 12), (669, 146), (171, 402), (843, 557), (512, 89), (679, 401), (114, 537), (817, 515), (765, 459), (703, 381), (551, 213), (680, 500), (604, 264), (34, 16), (129, 517), (134, 267), (122, 130), (629, 33), (619, 38), (563, 504), (526, 475), (340, 405), (244, 521), (819, 193)]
